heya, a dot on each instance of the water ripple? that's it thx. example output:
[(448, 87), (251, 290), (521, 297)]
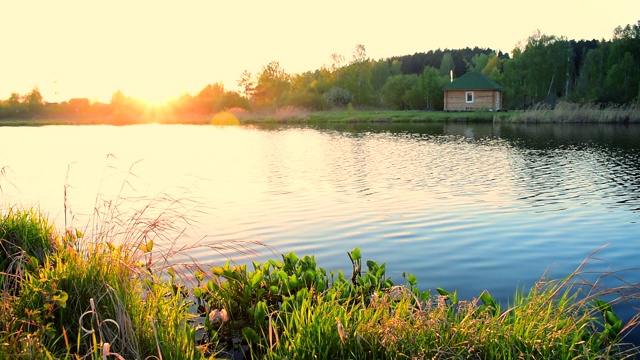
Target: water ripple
[(467, 207)]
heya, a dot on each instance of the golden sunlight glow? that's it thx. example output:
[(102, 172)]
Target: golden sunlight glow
[(225, 118), (155, 50)]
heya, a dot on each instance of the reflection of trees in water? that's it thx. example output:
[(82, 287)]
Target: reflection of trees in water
[(606, 156), (626, 174), (547, 155), (530, 136), (544, 136)]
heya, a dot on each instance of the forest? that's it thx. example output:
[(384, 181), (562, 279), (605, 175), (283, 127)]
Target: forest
[(545, 69)]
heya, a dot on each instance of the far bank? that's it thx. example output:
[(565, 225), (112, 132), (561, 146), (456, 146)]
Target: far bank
[(561, 113)]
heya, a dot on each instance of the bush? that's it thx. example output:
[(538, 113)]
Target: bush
[(338, 96)]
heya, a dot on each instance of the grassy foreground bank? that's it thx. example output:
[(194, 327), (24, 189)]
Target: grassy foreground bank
[(71, 296)]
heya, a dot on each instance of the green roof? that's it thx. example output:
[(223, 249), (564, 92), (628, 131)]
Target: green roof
[(473, 81)]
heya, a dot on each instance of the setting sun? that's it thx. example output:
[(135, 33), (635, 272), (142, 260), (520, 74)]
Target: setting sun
[(156, 52)]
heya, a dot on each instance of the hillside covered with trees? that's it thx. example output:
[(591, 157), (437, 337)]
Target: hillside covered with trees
[(545, 69)]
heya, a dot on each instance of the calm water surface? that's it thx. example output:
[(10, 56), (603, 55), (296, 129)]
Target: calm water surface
[(461, 206)]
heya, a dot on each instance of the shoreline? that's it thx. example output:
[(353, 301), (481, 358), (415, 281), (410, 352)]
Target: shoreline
[(567, 113)]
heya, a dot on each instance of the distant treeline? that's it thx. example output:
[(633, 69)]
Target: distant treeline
[(545, 69)]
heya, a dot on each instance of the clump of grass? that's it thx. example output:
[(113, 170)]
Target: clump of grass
[(90, 297), (27, 239), (367, 317), (291, 113), (25, 233), (568, 112), (104, 291)]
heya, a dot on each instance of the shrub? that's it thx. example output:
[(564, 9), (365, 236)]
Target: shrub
[(338, 96)]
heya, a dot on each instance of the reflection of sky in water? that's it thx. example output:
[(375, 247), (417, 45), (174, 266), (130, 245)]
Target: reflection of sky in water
[(466, 207)]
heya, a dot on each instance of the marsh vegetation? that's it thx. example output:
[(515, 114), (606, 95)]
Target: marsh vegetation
[(113, 291)]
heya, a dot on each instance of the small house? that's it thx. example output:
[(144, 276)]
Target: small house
[(473, 91)]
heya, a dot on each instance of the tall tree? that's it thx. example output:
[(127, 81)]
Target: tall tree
[(210, 98), (540, 70), (359, 77), (380, 72), (118, 98), (273, 86), (446, 64), (396, 91), (247, 83), (34, 98), (356, 77), (493, 68), (622, 80), (431, 84), (303, 82), (15, 99), (359, 54), (396, 67), (337, 61), (324, 80), (514, 81), (590, 84), (479, 61)]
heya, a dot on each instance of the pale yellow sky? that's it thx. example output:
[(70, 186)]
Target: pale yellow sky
[(160, 49)]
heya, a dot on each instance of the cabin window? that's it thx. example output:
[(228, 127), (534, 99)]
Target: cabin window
[(469, 97)]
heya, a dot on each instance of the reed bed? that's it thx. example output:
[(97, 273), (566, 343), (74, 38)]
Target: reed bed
[(566, 112)]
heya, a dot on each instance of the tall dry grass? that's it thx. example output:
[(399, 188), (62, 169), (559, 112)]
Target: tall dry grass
[(117, 287), (567, 112), (291, 113)]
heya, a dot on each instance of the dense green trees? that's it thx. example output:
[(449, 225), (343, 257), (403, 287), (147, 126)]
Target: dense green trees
[(545, 69), (404, 92), (17, 106), (610, 72), (540, 71), (273, 86), (395, 92), (549, 68)]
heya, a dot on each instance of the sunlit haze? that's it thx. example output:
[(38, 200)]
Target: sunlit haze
[(159, 50)]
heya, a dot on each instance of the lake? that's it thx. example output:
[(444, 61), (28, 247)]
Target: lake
[(465, 207)]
